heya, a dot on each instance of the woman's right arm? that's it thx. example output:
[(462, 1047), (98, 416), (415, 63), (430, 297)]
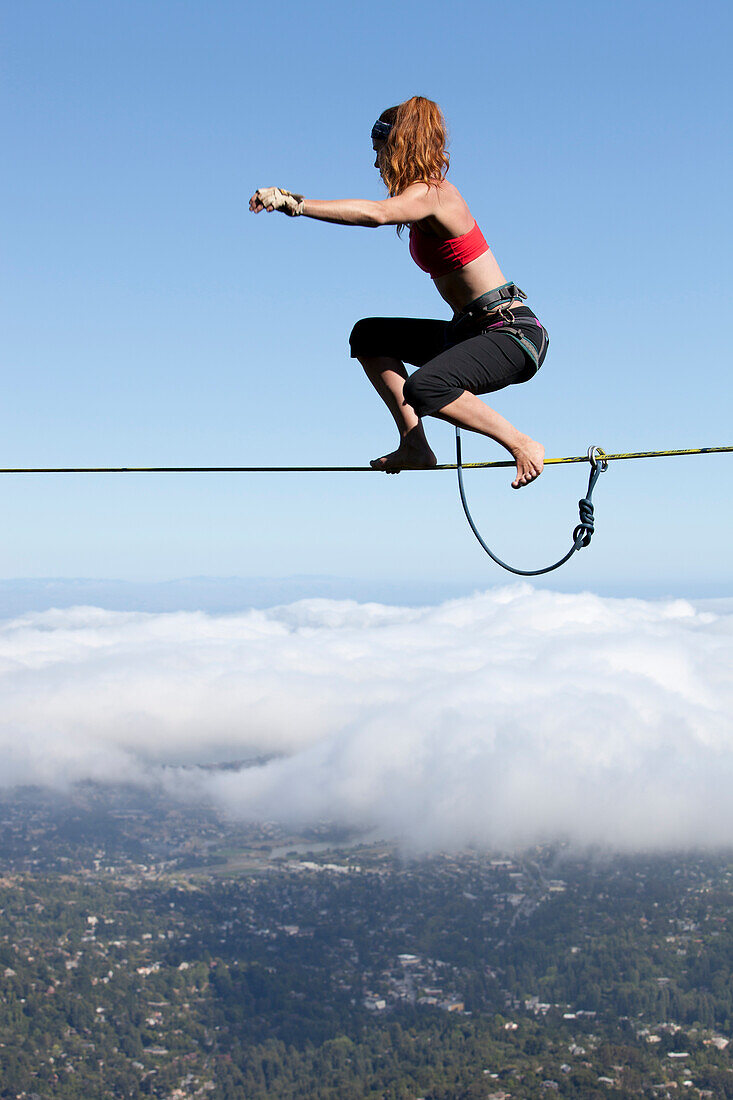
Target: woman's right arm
[(345, 211), (416, 202)]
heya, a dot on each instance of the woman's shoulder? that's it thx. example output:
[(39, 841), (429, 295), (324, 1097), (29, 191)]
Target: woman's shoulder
[(451, 202), (451, 216), (442, 189), (449, 189)]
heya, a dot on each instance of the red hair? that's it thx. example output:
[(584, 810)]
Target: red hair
[(414, 151)]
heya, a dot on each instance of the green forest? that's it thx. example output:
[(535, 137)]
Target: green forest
[(353, 973)]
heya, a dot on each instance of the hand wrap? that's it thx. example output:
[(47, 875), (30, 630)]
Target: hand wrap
[(287, 202)]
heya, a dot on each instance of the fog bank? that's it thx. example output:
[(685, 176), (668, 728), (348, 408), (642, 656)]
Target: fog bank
[(508, 717)]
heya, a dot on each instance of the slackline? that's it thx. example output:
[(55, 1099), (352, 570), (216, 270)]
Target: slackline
[(336, 469), (582, 533)]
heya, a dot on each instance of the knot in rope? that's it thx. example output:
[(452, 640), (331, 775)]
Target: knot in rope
[(584, 531)]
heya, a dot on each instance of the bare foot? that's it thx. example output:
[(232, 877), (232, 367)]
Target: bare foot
[(530, 456), (413, 453)]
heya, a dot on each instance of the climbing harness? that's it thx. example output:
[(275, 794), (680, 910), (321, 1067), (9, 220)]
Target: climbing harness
[(582, 533), (481, 316), (477, 310)]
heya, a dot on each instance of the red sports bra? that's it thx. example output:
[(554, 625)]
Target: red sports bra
[(440, 257)]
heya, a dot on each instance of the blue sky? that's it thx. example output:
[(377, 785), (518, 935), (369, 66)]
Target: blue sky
[(150, 319)]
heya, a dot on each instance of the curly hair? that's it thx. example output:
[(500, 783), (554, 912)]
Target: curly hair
[(414, 151)]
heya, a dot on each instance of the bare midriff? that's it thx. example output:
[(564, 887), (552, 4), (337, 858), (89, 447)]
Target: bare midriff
[(478, 277)]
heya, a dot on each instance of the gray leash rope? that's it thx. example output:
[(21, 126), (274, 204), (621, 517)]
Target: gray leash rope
[(582, 533)]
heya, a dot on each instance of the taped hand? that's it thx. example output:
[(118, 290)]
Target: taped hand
[(277, 198)]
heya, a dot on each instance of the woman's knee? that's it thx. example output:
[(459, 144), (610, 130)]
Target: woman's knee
[(428, 393), (362, 338), (419, 392)]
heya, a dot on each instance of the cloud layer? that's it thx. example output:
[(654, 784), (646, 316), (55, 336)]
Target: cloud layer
[(509, 717)]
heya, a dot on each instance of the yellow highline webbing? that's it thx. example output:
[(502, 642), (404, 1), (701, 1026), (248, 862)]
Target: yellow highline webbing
[(336, 469)]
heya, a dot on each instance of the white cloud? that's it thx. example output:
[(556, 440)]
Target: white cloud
[(511, 716)]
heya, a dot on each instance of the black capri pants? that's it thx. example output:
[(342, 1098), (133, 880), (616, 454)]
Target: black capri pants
[(482, 363)]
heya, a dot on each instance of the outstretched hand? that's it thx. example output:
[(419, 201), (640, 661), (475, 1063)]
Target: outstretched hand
[(276, 198)]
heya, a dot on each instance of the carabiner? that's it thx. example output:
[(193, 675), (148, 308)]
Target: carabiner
[(597, 459)]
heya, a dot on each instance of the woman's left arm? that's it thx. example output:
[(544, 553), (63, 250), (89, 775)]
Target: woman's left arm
[(416, 202)]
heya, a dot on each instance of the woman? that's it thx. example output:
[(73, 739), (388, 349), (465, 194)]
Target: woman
[(492, 341)]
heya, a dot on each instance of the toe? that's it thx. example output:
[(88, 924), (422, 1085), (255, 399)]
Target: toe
[(523, 478)]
